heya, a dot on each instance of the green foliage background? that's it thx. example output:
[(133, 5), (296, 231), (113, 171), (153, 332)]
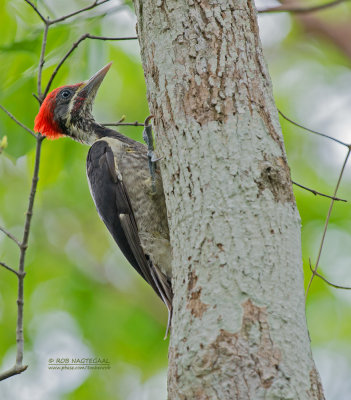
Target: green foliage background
[(82, 299)]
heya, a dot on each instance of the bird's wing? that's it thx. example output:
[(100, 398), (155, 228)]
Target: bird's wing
[(114, 207)]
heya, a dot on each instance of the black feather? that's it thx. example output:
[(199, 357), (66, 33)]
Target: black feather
[(113, 205)]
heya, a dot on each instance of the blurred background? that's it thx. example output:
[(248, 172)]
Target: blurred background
[(82, 299)]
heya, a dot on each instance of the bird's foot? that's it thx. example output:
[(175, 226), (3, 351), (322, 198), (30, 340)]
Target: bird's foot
[(149, 140)]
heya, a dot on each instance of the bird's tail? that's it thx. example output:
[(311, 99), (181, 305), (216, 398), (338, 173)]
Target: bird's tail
[(165, 290)]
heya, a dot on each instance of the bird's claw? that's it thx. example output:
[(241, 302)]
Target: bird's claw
[(154, 159), (149, 140)]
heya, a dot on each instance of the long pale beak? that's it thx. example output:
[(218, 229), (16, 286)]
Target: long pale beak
[(91, 86)]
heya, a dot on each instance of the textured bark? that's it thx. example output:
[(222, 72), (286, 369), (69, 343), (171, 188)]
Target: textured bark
[(239, 328)]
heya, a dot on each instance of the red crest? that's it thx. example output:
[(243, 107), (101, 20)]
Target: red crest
[(44, 121)]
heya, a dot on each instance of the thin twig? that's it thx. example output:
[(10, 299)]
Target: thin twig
[(136, 123), (332, 284), (8, 268), (327, 221), (301, 10), (328, 282), (12, 371), (102, 14), (59, 65), (74, 46), (37, 98), (17, 122), (37, 11), (8, 234), (93, 5), (112, 38), (317, 193), (49, 22), (42, 60), (29, 212), (24, 245), (312, 131), (19, 367)]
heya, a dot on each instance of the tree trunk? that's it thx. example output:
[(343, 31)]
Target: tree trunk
[(239, 328)]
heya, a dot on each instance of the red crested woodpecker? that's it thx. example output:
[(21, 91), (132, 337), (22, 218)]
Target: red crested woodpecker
[(129, 202)]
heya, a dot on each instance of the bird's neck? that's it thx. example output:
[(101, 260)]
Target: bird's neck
[(93, 131)]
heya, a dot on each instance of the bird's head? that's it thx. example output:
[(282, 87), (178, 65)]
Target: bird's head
[(66, 111)]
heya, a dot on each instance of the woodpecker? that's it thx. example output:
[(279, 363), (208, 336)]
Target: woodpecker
[(129, 202)]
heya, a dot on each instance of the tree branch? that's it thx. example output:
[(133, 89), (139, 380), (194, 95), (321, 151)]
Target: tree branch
[(49, 22), (121, 122), (301, 10), (93, 5), (326, 280), (327, 221), (8, 234), (317, 193), (136, 123), (8, 268), (312, 131), (210, 269), (103, 13), (37, 11), (111, 38), (41, 60), (332, 284), (29, 212), (19, 367), (336, 32), (18, 122), (12, 371), (74, 46)]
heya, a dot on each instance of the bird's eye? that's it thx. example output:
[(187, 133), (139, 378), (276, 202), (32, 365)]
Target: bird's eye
[(65, 94)]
